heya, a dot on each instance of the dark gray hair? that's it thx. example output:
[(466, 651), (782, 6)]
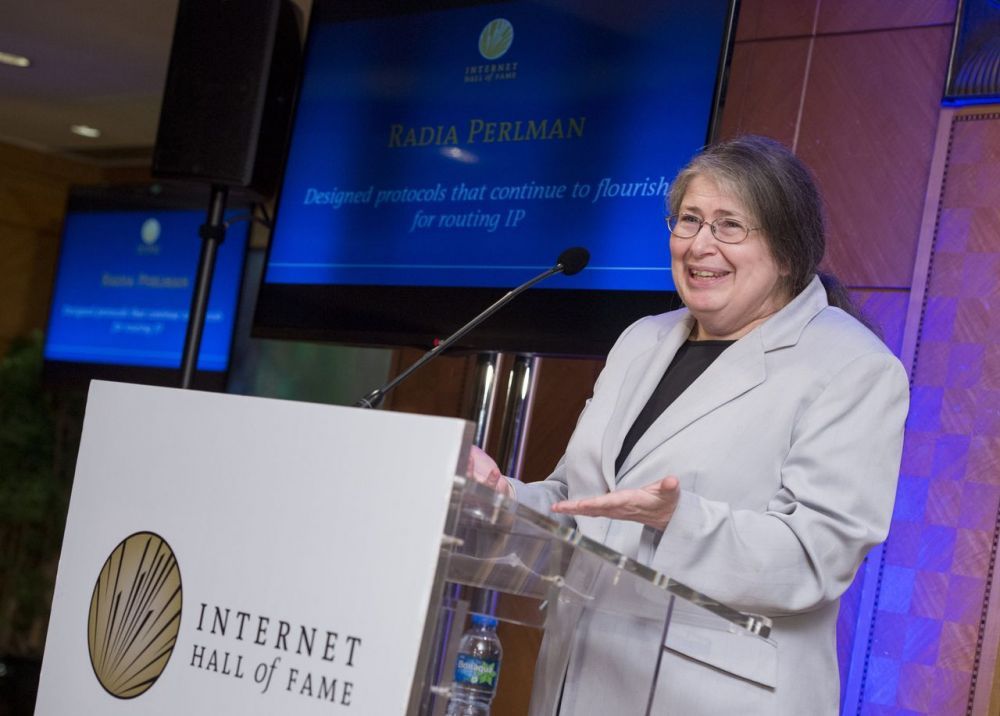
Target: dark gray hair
[(781, 196)]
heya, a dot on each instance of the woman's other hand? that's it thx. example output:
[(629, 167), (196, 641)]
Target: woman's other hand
[(484, 470), (652, 505)]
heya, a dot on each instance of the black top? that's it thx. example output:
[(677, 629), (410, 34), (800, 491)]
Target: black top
[(691, 360)]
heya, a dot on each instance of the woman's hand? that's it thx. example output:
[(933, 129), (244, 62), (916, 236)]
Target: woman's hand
[(652, 505), (484, 470)]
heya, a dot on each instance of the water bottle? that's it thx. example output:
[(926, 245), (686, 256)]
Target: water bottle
[(477, 669)]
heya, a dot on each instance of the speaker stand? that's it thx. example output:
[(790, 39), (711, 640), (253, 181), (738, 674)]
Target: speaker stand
[(212, 234)]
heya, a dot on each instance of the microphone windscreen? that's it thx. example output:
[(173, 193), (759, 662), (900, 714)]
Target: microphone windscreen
[(574, 260)]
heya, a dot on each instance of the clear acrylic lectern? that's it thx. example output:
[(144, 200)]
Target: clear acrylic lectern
[(546, 576)]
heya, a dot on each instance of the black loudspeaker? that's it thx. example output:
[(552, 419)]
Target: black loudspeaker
[(234, 66)]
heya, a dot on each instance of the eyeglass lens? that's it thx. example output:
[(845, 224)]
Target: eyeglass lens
[(687, 226)]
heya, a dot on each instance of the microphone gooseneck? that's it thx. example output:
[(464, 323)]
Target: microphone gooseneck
[(571, 261)]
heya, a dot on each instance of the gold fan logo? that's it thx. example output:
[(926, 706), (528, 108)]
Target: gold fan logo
[(496, 38), (135, 615)]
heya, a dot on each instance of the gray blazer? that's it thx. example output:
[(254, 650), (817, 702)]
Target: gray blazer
[(787, 449)]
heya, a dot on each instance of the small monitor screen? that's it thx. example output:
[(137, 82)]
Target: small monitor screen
[(123, 290)]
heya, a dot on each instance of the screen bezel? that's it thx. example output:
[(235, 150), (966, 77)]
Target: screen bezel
[(563, 322)]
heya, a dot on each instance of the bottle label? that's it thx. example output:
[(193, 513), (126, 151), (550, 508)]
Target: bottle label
[(472, 671)]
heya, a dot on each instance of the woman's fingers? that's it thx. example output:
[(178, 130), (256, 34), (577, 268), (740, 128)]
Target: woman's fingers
[(484, 470), (652, 505)]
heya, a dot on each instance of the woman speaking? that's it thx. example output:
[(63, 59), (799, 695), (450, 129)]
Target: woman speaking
[(746, 445)]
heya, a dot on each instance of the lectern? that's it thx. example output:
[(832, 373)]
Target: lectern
[(226, 554)]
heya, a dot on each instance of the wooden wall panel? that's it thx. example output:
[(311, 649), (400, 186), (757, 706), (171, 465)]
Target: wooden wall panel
[(765, 89), (861, 15), (979, 185), (439, 388), (564, 386), (31, 210), (28, 263), (31, 201), (868, 126), (775, 18), (19, 162), (33, 190), (520, 651)]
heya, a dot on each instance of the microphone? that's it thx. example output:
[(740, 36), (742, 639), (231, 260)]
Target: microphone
[(571, 261)]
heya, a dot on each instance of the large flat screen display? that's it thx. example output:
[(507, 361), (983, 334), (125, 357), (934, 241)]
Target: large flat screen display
[(123, 289), (443, 153)]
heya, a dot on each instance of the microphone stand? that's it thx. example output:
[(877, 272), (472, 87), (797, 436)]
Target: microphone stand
[(374, 398)]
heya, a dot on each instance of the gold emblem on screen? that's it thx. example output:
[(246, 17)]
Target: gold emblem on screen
[(496, 38), (149, 235), (149, 232), (135, 615)]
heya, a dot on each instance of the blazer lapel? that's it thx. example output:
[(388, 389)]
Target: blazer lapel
[(641, 377), (740, 368)]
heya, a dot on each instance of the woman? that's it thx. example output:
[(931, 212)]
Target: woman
[(747, 445)]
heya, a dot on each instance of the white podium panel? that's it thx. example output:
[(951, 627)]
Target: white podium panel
[(239, 555)]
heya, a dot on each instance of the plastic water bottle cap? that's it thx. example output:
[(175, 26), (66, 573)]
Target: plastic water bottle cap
[(484, 620)]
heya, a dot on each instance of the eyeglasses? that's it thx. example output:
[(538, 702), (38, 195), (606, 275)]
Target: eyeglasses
[(727, 230)]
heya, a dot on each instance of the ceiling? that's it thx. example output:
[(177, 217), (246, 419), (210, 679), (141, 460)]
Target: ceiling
[(100, 63)]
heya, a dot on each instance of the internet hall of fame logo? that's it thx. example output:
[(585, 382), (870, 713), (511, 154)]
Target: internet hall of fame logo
[(135, 615), (495, 40), (149, 237)]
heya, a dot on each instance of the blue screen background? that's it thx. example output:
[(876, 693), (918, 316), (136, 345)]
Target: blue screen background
[(642, 74), (123, 300)]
